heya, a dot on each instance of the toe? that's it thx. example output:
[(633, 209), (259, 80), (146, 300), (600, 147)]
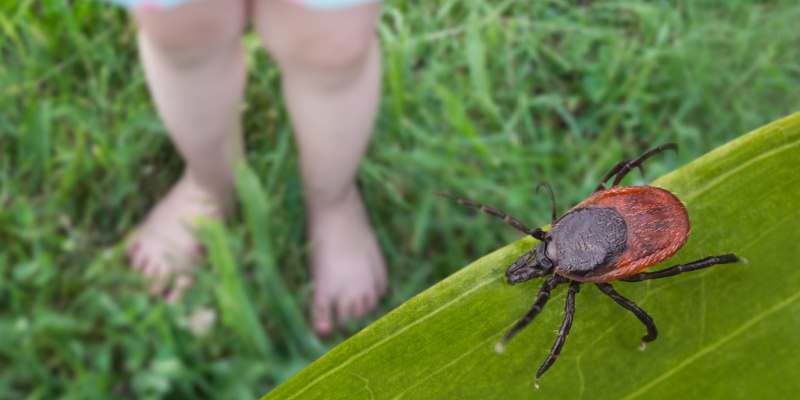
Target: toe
[(342, 311), (179, 287), (138, 259), (357, 309), (131, 251), (321, 318), (143, 265), (159, 278), (369, 302)]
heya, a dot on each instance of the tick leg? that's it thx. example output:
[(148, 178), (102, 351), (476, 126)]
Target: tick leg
[(679, 269), (541, 300), (552, 200), (569, 309), (646, 319), (612, 172), (537, 233), (623, 167), (627, 167)]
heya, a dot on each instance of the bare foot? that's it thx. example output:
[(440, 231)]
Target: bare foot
[(346, 263), (163, 247)]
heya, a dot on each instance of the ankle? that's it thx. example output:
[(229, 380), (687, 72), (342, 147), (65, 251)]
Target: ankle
[(216, 184), (318, 202)]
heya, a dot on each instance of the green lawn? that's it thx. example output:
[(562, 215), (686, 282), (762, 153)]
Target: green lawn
[(482, 98)]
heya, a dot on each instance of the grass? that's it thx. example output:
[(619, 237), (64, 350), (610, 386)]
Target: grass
[(482, 99)]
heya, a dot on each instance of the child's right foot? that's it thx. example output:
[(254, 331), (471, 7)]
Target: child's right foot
[(163, 247)]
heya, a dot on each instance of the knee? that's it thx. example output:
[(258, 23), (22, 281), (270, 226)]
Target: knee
[(333, 57), (187, 37)]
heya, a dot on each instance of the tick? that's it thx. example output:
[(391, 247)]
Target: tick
[(614, 235)]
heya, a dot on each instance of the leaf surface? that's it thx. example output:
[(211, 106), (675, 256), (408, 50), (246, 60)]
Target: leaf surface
[(729, 331)]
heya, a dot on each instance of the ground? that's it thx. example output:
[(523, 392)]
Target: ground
[(482, 99)]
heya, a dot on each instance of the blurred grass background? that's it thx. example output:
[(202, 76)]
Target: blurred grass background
[(482, 99)]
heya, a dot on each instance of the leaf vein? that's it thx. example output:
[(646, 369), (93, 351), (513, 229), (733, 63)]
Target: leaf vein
[(714, 346)]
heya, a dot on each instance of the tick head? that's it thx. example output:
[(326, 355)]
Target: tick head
[(537, 266)]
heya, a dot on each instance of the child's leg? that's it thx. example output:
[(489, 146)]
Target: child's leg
[(195, 68), (330, 64)]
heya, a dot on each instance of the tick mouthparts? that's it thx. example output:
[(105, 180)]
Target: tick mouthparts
[(515, 276), (519, 274), (514, 269)]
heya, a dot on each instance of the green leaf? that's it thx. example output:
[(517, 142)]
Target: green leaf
[(729, 331)]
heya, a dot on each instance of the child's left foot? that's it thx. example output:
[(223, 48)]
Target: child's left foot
[(347, 264)]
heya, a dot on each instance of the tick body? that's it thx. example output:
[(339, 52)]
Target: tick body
[(615, 234)]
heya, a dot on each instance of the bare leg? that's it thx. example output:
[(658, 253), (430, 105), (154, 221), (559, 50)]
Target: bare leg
[(330, 64), (569, 310), (194, 65), (643, 316), (679, 269)]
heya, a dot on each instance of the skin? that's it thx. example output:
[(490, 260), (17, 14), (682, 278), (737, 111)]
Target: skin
[(194, 63)]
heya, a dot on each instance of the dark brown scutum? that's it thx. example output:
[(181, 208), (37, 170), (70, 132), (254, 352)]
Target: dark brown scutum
[(587, 241)]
